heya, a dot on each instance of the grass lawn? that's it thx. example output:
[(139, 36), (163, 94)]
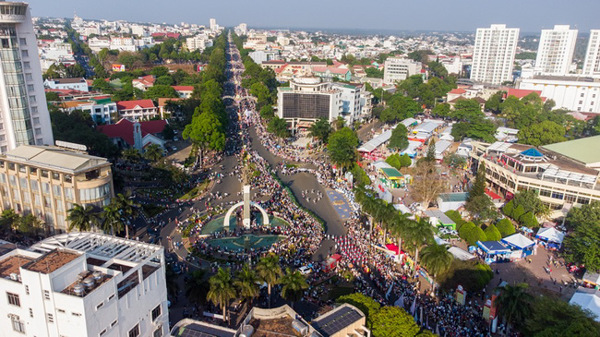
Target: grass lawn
[(196, 191)]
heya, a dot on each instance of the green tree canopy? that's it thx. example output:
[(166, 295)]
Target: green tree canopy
[(586, 215), (206, 131), (393, 322), (342, 148), (492, 233), (399, 138), (278, 127), (505, 227), (546, 132), (159, 91), (321, 129)]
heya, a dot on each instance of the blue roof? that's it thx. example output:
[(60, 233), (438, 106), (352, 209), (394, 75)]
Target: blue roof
[(532, 152), (493, 247)]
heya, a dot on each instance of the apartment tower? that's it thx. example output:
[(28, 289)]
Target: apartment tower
[(494, 54), (555, 52)]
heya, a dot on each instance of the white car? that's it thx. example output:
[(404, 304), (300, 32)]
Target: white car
[(305, 270)]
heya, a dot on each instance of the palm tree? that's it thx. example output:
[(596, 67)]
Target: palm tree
[(9, 219), (221, 290), (293, 285), (131, 154), (128, 208), (269, 271), (196, 286), (153, 152), (112, 220), (514, 304), (399, 227), (82, 218), (437, 259), (419, 233), (246, 283)]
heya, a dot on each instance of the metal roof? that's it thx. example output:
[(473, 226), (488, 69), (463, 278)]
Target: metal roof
[(585, 150), (337, 320)]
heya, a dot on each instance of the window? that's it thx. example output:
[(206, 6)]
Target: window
[(61, 311), (135, 332), (76, 314), (102, 332), (13, 299), (25, 53), (27, 65), (30, 312), (113, 323), (111, 297), (156, 312), (50, 318), (27, 290), (100, 305), (47, 294), (29, 77), (158, 332), (45, 173), (23, 41), (55, 176), (17, 325), (30, 88)]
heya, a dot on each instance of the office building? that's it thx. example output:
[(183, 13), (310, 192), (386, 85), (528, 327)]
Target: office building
[(564, 174), (555, 51), (568, 92), (494, 54), (84, 284), (356, 101), (25, 118), (591, 65), (48, 181), (398, 69), (306, 100)]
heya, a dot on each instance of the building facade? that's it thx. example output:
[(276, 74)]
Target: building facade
[(306, 100), (143, 109), (79, 84), (25, 118), (563, 174), (48, 181), (356, 101), (494, 54), (398, 69), (591, 65), (84, 284), (555, 51), (571, 93)]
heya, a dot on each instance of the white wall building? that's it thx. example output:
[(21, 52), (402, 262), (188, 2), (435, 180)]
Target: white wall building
[(494, 54), (84, 284), (213, 24), (591, 66), (96, 44), (356, 101), (306, 100), (399, 69), (571, 93), (24, 114), (241, 29), (260, 56), (555, 51), (78, 83), (122, 44)]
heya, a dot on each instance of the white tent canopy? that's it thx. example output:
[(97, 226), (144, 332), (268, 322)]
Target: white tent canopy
[(461, 254), (587, 299), (551, 234), (518, 240)]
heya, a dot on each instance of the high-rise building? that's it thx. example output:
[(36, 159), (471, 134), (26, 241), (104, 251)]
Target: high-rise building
[(555, 51), (398, 69), (213, 24), (84, 284), (25, 118), (494, 54), (591, 66)]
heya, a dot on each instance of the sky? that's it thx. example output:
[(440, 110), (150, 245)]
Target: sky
[(382, 15)]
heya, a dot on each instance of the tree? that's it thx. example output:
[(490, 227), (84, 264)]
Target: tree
[(399, 138), (366, 304), (478, 188), (471, 275), (221, 290), (131, 154), (529, 220), (153, 152), (9, 219), (394, 161), (554, 317), (505, 227), (430, 157), (393, 322), (493, 103), (342, 148), (29, 224), (266, 112), (437, 259), (321, 129), (160, 91), (509, 208), (262, 94), (293, 285), (419, 233), (278, 127), (531, 202), (467, 110), (82, 218), (196, 286), (492, 233), (518, 212), (514, 304), (546, 132), (428, 183), (246, 282), (206, 132), (481, 207), (405, 160), (441, 110), (171, 281), (480, 129), (128, 208), (269, 271), (586, 215), (112, 222), (583, 246)]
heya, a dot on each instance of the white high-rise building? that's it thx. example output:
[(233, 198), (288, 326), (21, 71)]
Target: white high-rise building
[(24, 114), (398, 69), (213, 24), (494, 54), (555, 52), (84, 284), (591, 66)]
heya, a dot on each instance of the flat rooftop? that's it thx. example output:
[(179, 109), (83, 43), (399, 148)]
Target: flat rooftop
[(54, 158), (337, 320), (203, 330), (584, 150), (51, 261), (275, 327), (12, 264)]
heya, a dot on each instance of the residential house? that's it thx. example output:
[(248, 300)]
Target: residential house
[(138, 135), (184, 91), (144, 82), (137, 110)]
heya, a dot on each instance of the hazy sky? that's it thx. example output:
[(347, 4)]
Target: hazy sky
[(440, 15)]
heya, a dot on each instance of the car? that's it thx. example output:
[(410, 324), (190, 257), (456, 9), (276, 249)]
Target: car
[(176, 139)]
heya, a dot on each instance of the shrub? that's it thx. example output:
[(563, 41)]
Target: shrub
[(505, 227), (492, 233), (508, 208), (455, 216), (475, 235), (518, 213)]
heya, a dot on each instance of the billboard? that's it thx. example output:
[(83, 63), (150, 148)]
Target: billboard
[(296, 105), (118, 67)]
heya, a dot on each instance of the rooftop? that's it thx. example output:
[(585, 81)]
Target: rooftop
[(273, 327), (12, 264), (51, 261), (584, 150), (202, 329), (337, 320), (54, 158)]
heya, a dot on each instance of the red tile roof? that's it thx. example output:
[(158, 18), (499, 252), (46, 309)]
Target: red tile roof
[(124, 129), (183, 87), (457, 91), (163, 100), (520, 93), (129, 105), (147, 80)]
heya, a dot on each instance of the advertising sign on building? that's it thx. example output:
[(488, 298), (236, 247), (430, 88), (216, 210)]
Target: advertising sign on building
[(118, 67)]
